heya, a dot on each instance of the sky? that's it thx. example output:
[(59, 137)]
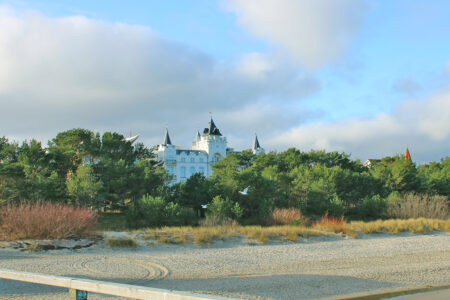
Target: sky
[(364, 77)]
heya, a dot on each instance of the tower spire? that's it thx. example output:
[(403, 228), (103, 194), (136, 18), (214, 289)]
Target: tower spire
[(212, 128), (407, 154), (167, 140), (256, 145)]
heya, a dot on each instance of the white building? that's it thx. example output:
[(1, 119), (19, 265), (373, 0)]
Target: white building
[(207, 149)]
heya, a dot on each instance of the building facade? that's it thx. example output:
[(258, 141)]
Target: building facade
[(207, 149)]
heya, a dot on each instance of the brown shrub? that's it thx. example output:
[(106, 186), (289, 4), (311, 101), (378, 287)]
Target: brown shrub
[(45, 221), (287, 216), (418, 206), (336, 225)]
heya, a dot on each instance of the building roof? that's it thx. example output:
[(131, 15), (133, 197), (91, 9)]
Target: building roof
[(212, 129), (132, 139), (167, 140), (368, 163)]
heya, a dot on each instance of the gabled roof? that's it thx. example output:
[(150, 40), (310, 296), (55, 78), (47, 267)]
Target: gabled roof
[(167, 140), (256, 145), (211, 129)]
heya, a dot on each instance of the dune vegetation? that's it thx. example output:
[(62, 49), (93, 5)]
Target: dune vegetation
[(327, 226)]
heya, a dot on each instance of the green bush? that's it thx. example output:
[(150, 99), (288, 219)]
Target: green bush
[(187, 216), (224, 208), (146, 211), (150, 211), (336, 207), (372, 207)]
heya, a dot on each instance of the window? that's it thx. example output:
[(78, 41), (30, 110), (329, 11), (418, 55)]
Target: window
[(202, 171), (200, 159), (170, 169), (192, 160), (192, 171), (183, 172), (183, 159), (216, 158)]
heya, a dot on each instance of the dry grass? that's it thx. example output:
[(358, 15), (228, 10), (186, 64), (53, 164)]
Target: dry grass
[(394, 226), (419, 206), (287, 216), (336, 225), (217, 221), (121, 243), (327, 226), (45, 221), (207, 235)]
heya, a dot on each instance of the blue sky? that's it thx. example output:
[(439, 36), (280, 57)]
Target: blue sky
[(365, 77)]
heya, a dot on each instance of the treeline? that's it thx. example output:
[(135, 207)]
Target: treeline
[(82, 168), (78, 167)]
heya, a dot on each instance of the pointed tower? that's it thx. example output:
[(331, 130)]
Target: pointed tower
[(212, 129), (167, 140), (166, 153), (257, 149), (407, 155), (213, 143)]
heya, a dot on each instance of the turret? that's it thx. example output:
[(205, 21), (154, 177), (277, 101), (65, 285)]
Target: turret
[(257, 149), (212, 129), (212, 142)]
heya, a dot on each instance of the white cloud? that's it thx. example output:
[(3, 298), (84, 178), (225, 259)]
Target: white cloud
[(255, 65), (313, 32), (434, 117), (60, 73), (424, 127)]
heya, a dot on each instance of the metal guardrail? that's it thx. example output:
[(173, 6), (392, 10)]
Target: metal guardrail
[(78, 288)]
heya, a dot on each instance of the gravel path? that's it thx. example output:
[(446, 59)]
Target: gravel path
[(318, 268)]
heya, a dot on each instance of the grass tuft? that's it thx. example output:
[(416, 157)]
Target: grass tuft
[(121, 243)]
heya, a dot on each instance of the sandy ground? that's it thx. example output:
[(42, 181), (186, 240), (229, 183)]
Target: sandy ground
[(312, 269)]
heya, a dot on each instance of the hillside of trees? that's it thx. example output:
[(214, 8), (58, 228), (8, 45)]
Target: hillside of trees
[(83, 168)]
